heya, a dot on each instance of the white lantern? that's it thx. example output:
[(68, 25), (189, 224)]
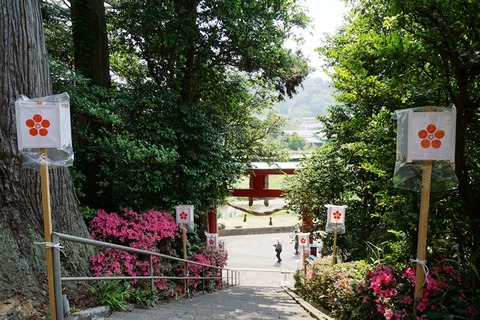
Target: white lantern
[(304, 239), (184, 214), (426, 135), (43, 124), (221, 245), (335, 218), (212, 240)]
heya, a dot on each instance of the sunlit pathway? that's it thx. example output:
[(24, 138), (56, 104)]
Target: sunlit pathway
[(258, 297), (254, 256), (239, 302)]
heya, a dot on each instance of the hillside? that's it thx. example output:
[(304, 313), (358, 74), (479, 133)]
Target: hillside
[(312, 100)]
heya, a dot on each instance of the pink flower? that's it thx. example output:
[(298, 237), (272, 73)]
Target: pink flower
[(388, 314), (406, 300), (423, 304), (380, 308), (410, 275), (471, 310)]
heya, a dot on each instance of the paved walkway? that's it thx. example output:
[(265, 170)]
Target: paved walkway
[(262, 293), (239, 302), (254, 256)]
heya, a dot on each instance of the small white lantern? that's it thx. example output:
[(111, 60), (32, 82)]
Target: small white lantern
[(426, 133), (335, 218), (184, 214), (212, 240), (221, 245), (43, 124), (304, 239)]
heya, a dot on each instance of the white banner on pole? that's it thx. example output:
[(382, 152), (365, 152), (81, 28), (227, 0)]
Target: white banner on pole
[(426, 135), (336, 214), (431, 136), (212, 240), (184, 214), (335, 218), (304, 239), (221, 245), (43, 124)]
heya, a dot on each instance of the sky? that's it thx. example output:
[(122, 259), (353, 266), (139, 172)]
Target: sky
[(327, 16)]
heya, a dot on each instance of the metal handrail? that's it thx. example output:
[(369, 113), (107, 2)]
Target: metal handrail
[(232, 276)]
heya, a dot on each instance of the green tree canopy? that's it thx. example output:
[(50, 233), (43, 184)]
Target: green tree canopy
[(194, 84), (392, 55)]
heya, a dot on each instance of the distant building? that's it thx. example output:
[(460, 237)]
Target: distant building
[(310, 130)]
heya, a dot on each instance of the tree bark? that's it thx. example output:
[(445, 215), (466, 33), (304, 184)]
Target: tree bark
[(24, 70), (90, 40)]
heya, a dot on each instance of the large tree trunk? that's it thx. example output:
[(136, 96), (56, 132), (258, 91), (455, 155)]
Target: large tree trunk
[(91, 60), (90, 40), (24, 70)]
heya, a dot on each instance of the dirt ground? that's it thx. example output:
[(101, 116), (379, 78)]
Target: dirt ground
[(30, 308)]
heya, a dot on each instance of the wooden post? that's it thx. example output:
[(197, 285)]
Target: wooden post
[(185, 258), (47, 227), (423, 227), (334, 258)]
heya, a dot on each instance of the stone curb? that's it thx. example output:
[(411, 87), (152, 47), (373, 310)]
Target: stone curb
[(317, 314), (247, 231), (91, 314)]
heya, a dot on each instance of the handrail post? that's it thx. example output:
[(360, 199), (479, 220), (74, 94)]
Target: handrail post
[(57, 282), (186, 280), (228, 282), (203, 279), (220, 276), (152, 284)]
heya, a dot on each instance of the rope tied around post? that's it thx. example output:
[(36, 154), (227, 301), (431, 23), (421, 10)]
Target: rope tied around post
[(57, 246), (426, 271)]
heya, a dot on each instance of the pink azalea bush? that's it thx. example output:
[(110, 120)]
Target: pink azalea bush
[(443, 293), (214, 258), (154, 231), (359, 291), (332, 287)]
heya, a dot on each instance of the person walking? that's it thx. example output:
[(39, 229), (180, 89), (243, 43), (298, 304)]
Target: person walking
[(295, 241), (278, 250)]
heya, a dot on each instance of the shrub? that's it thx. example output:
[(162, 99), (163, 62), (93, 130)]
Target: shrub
[(113, 293), (334, 288), (214, 258), (154, 231), (359, 291)]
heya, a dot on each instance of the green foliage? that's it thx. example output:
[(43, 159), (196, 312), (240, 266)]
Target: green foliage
[(186, 51), (386, 57), (381, 291), (294, 141), (88, 213), (113, 293), (438, 44), (191, 101), (58, 32), (334, 287), (354, 169), (143, 297)]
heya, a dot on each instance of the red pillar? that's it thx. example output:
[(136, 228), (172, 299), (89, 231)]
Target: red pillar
[(212, 219)]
